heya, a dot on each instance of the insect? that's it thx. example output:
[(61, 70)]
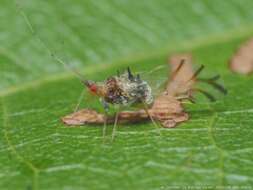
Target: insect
[(122, 90), (166, 108)]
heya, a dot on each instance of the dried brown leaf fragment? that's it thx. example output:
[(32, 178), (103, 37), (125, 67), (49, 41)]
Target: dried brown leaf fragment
[(242, 61), (179, 80), (166, 110)]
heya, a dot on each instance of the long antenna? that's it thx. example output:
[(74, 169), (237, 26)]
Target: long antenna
[(56, 58)]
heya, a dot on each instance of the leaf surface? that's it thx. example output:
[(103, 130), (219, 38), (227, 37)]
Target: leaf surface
[(98, 37)]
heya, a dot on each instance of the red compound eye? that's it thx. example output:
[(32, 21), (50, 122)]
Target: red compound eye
[(93, 88)]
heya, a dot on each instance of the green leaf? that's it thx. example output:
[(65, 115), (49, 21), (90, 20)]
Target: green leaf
[(37, 151)]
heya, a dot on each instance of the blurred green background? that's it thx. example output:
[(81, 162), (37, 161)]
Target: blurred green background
[(213, 149)]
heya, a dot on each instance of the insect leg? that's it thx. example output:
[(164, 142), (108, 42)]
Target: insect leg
[(197, 72), (187, 96), (106, 109), (178, 69), (79, 101), (151, 117), (213, 82), (105, 126), (205, 93), (115, 125)]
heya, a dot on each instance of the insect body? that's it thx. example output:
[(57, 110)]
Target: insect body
[(123, 90)]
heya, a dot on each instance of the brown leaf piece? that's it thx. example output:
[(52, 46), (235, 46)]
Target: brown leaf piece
[(179, 81), (87, 116), (166, 116), (84, 116), (242, 61), (166, 109)]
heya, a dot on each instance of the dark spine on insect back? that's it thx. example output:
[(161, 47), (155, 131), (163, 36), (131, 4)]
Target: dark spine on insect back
[(127, 89)]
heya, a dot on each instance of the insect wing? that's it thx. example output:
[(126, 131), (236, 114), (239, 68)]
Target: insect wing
[(157, 78)]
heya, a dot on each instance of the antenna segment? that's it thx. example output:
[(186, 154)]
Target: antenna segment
[(54, 56)]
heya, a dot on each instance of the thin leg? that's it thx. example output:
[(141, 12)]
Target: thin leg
[(188, 97), (197, 72), (174, 74), (205, 93), (152, 120), (106, 110), (151, 117), (79, 101), (105, 126), (115, 125), (213, 82)]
